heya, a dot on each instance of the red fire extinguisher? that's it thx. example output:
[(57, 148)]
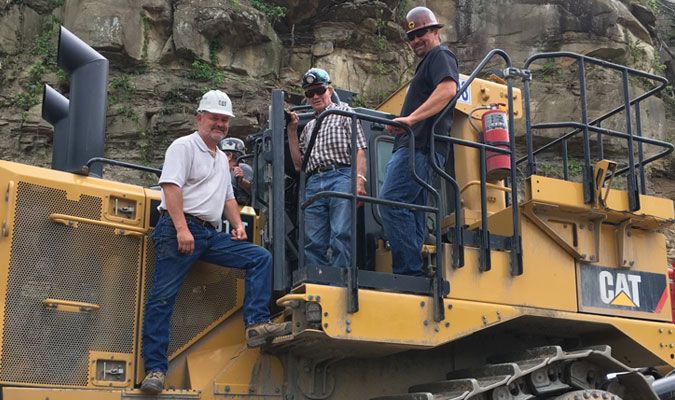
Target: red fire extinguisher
[(495, 133)]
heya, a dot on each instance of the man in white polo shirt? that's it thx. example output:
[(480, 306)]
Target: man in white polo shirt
[(196, 195)]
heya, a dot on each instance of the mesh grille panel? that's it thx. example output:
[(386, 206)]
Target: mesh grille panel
[(209, 292), (48, 260)]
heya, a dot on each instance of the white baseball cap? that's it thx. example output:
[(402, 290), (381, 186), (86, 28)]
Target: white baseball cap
[(216, 102)]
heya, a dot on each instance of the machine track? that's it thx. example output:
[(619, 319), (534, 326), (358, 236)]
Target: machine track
[(544, 373)]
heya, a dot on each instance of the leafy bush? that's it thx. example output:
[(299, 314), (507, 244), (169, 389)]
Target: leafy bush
[(273, 13)]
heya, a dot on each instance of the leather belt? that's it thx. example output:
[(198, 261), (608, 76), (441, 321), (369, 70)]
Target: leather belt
[(326, 168), (194, 219)]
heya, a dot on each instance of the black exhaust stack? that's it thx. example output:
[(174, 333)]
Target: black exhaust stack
[(55, 111), (85, 136)]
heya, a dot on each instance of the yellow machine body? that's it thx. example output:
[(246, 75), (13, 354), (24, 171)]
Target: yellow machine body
[(76, 263)]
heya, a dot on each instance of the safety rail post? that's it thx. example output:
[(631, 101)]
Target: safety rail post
[(641, 156), (301, 219), (566, 170), (352, 271), (531, 168), (589, 187), (633, 195), (485, 259), (438, 288), (509, 73), (516, 245), (277, 125)]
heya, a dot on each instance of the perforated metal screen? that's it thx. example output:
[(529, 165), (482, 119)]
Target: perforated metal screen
[(87, 264), (208, 293)]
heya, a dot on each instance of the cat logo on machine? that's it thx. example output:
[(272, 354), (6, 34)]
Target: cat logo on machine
[(620, 289), (624, 290)]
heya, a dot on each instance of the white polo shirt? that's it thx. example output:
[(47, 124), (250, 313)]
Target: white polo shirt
[(204, 179)]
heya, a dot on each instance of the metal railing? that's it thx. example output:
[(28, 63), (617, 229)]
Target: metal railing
[(352, 271), (585, 127), (457, 238)]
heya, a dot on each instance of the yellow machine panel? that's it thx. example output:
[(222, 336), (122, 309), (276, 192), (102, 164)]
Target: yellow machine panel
[(65, 301)]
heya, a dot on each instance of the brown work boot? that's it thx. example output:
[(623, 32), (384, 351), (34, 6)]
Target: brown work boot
[(257, 335), (153, 382)]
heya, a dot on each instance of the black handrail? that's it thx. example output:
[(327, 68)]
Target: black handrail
[(101, 160), (485, 248), (595, 125), (352, 271)]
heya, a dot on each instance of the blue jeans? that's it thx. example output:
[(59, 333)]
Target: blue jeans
[(328, 220), (171, 268), (405, 229)]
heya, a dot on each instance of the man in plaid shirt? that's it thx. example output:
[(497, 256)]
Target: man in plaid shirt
[(327, 220)]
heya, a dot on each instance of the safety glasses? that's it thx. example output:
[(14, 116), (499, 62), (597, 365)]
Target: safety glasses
[(418, 33), (315, 91)]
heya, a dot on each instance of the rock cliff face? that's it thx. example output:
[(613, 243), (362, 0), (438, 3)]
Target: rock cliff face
[(165, 53)]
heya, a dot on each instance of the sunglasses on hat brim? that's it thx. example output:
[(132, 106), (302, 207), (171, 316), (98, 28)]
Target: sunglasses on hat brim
[(315, 91), (418, 33)]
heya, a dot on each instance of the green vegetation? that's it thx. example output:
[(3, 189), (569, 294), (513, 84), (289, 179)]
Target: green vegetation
[(402, 9), (550, 71), (380, 39), (554, 168), (635, 54), (146, 35), (574, 167), (379, 68), (127, 112), (44, 52), (120, 88), (205, 72), (174, 101), (651, 4), (273, 13)]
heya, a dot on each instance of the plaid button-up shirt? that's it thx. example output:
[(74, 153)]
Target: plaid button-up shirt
[(334, 140)]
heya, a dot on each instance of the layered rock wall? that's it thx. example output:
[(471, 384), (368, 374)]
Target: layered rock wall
[(165, 53)]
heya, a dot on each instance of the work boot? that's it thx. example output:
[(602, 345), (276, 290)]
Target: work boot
[(153, 382), (257, 335)]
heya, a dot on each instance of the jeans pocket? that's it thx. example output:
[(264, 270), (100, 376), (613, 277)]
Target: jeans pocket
[(345, 171), (164, 239)]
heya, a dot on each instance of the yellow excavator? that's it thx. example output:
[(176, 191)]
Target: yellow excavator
[(536, 287)]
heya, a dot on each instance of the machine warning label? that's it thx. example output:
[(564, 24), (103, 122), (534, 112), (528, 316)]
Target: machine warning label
[(622, 289)]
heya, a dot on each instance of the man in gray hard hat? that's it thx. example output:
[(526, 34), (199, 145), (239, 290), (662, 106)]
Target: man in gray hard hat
[(196, 195), (242, 173), (431, 89)]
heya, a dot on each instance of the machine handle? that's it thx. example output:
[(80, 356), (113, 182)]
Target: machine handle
[(489, 186), (70, 305), (120, 229), (289, 298)]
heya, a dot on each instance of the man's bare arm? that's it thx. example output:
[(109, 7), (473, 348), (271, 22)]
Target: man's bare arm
[(293, 143), (231, 213), (438, 99)]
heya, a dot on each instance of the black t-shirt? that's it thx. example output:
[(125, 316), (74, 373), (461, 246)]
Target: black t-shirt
[(437, 65)]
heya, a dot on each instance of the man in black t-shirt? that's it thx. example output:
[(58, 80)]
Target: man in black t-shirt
[(431, 89)]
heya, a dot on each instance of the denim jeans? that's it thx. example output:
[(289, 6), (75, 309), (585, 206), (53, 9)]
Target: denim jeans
[(405, 229), (171, 268), (328, 220)]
